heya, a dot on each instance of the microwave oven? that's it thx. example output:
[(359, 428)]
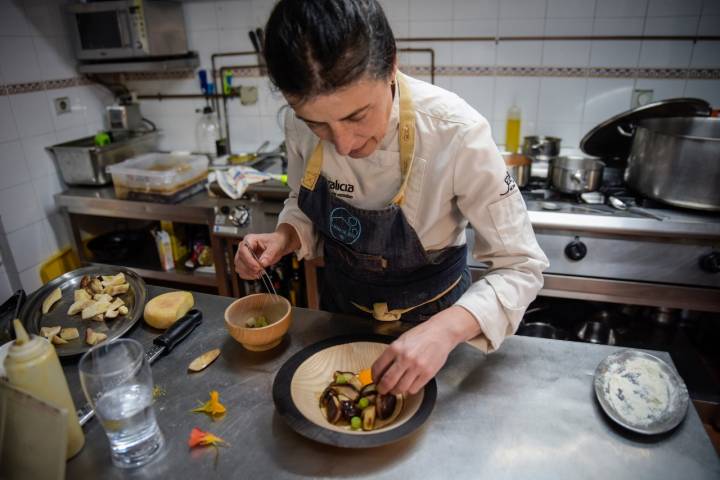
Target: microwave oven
[(130, 29)]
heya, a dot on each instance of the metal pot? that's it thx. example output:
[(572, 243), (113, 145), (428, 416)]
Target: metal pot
[(519, 167), (677, 161), (547, 147), (575, 174)]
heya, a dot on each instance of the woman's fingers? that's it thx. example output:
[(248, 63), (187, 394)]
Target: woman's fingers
[(245, 265), (391, 377)]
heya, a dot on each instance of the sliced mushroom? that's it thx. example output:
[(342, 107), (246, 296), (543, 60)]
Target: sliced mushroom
[(385, 405), (325, 396), (332, 410), (349, 378), (399, 403), (346, 390), (368, 418), (349, 410), (369, 391)]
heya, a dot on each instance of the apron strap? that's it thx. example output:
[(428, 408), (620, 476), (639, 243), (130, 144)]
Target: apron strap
[(380, 310), (406, 140)]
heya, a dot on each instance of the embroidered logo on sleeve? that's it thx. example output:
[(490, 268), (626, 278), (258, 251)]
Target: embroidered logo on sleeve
[(344, 227), (509, 183)]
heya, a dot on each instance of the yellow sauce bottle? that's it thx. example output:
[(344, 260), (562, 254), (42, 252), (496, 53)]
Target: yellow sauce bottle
[(33, 365), (512, 129)]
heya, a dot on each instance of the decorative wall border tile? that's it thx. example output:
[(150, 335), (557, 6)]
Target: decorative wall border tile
[(421, 70)]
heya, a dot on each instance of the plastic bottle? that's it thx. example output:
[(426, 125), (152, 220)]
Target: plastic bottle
[(512, 129), (33, 365), (207, 133)]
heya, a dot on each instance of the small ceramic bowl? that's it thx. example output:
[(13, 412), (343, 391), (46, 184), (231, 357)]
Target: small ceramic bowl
[(276, 309)]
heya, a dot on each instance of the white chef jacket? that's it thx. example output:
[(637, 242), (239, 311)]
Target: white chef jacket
[(458, 176)]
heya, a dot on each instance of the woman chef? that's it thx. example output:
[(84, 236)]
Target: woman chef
[(386, 171)]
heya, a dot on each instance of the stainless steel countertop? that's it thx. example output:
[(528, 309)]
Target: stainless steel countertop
[(526, 411)]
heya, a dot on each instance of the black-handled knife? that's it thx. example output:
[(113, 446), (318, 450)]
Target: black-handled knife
[(163, 344)]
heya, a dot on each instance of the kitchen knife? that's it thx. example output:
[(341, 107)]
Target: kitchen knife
[(162, 344)]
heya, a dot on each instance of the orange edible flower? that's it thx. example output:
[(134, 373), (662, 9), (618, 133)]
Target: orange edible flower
[(212, 407), (365, 376), (200, 438)]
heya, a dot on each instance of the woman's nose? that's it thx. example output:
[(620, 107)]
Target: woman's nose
[(343, 139)]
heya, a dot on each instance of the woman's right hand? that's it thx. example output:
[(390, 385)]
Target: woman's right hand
[(269, 248)]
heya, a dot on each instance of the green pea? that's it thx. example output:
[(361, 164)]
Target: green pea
[(340, 378), (364, 402), (355, 423)]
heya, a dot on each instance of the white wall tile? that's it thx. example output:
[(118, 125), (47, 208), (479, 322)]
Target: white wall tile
[(475, 28), (70, 134), (73, 119), (440, 28), (476, 9), (571, 8), (177, 133), (30, 279), (568, 26), (478, 92), (497, 131), (19, 207), (200, 16), (671, 25), (13, 168), (474, 53), (569, 132), (668, 8), (561, 99), (55, 57), (270, 100), (523, 91), (708, 90), (443, 81), (13, 20), (618, 26), (621, 8), (711, 7), (234, 14), (671, 54), (709, 25), (519, 53), (614, 53), (443, 54), (400, 28), (205, 42), (57, 232), (706, 55), (261, 12), (523, 8), (396, 9), (521, 27), (236, 40), (606, 97), (18, 61), (45, 190), (39, 161), (246, 134), (566, 53), (8, 129), (271, 130), (6, 289), (425, 10), (46, 18), (32, 114), (662, 89)]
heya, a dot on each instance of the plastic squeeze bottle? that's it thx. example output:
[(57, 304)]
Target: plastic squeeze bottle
[(33, 365), (512, 129)]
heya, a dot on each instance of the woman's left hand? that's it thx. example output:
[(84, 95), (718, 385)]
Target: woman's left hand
[(418, 354)]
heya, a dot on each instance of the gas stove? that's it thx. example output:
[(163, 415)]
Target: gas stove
[(647, 254)]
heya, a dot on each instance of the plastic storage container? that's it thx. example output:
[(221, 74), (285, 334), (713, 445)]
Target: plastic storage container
[(165, 177)]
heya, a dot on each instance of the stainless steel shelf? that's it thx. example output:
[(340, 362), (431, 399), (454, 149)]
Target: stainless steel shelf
[(178, 276), (189, 62)]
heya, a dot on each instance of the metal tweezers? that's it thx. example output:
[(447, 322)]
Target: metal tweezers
[(265, 277)]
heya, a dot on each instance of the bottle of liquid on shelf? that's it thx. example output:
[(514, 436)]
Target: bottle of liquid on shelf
[(33, 365), (512, 129), (296, 297), (207, 133)]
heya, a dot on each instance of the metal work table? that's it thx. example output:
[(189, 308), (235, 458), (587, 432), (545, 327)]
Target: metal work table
[(526, 411)]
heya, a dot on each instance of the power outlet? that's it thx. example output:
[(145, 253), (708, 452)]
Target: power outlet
[(641, 97), (62, 105)]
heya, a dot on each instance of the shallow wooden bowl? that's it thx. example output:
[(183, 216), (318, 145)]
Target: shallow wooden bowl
[(276, 309), (299, 383)]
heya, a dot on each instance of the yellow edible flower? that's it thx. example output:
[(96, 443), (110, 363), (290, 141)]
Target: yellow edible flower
[(212, 407)]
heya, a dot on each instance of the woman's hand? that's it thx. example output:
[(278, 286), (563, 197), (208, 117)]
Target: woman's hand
[(269, 248), (418, 354)]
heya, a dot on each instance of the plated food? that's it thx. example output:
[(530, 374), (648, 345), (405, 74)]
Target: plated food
[(353, 400)]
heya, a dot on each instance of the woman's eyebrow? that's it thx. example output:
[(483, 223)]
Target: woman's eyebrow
[(359, 110)]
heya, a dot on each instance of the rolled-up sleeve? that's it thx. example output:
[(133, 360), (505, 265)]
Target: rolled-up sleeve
[(504, 238), (291, 213)]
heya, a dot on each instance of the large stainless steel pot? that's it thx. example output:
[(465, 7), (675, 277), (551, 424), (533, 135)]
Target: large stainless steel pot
[(677, 161), (576, 174), (519, 167)]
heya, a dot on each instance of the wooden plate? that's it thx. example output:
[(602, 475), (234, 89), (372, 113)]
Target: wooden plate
[(300, 381)]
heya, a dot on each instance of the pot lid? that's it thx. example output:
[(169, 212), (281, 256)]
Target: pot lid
[(612, 139)]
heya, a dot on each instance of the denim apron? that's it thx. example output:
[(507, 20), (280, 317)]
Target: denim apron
[(374, 260)]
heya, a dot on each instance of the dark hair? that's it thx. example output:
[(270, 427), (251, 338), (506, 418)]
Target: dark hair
[(314, 47)]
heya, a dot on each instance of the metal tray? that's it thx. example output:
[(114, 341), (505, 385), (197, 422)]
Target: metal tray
[(641, 392), (33, 318)]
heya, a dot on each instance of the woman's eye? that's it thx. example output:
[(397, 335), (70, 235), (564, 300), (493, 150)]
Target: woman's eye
[(357, 118)]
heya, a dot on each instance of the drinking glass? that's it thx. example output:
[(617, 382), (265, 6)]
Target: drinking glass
[(117, 381)]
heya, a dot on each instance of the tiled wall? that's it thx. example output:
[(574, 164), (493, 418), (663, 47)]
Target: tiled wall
[(34, 49), (565, 105)]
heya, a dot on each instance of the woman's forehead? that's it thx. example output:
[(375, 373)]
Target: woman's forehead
[(339, 104)]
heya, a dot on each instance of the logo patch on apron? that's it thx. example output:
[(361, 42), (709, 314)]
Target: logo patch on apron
[(344, 227)]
